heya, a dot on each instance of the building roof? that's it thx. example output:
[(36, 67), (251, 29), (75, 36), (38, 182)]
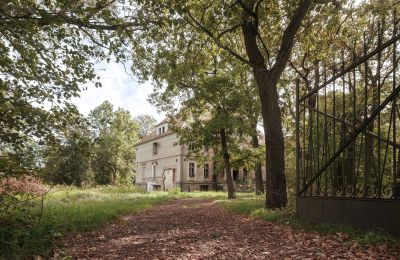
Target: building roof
[(153, 136), (162, 122)]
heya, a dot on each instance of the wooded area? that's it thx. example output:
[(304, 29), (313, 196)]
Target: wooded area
[(231, 70)]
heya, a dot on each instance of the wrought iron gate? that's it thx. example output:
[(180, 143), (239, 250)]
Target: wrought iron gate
[(347, 139)]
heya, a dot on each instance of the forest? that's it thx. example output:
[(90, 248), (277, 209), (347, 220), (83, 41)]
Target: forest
[(310, 85)]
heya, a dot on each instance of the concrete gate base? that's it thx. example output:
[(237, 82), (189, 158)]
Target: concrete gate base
[(361, 213)]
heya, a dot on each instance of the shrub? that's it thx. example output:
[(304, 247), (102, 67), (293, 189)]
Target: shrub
[(16, 194)]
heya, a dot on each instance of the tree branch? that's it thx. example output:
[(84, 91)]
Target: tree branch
[(229, 30), (62, 17), (216, 40), (266, 50), (299, 72), (288, 39), (245, 7)]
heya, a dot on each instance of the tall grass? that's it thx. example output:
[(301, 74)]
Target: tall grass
[(64, 210)]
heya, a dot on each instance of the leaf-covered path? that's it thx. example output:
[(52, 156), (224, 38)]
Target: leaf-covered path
[(194, 229)]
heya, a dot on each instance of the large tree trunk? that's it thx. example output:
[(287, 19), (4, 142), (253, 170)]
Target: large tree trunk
[(227, 164), (267, 81), (276, 196), (258, 169)]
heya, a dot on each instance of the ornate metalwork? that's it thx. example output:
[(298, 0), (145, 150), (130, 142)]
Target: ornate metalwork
[(346, 128)]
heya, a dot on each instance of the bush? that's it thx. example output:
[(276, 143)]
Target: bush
[(16, 194), (18, 197)]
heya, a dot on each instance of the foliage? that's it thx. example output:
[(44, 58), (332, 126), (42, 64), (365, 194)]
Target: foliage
[(19, 161), (44, 59), (215, 114), (214, 104), (95, 150), (47, 52), (67, 160), (24, 185), (146, 123), (116, 134), (16, 195)]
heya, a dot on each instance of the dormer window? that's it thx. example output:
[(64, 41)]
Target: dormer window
[(161, 130)]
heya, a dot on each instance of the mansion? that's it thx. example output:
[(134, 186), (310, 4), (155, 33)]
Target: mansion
[(164, 164)]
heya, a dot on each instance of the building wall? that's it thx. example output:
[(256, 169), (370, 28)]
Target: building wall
[(172, 161), (199, 171), (168, 157)]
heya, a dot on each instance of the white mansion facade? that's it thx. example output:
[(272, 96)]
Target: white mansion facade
[(163, 164)]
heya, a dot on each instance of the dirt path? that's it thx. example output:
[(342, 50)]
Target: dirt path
[(193, 229)]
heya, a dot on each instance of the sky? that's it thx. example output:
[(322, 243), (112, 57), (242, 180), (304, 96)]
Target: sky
[(120, 89)]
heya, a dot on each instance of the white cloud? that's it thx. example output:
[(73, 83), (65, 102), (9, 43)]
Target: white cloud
[(120, 89)]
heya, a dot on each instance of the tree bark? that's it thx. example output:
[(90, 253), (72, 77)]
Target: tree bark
[(267, 80), (227, 164), (258, 169)]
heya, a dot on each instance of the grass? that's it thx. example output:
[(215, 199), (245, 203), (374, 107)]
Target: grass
[(68, 210), (254, 206)]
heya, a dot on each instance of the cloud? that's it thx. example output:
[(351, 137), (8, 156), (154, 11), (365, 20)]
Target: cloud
[(119, 88)]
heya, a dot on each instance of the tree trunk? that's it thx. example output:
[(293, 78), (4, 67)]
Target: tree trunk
[(267, 81), (258, 169), (227, 164), (114, 175), (276, 196)]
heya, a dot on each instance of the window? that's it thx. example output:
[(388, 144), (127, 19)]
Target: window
[(206, 170), (191, 146), (214, 170), (159, 130), (154, 170), (163, 129), (192, 169), (154, 148)]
